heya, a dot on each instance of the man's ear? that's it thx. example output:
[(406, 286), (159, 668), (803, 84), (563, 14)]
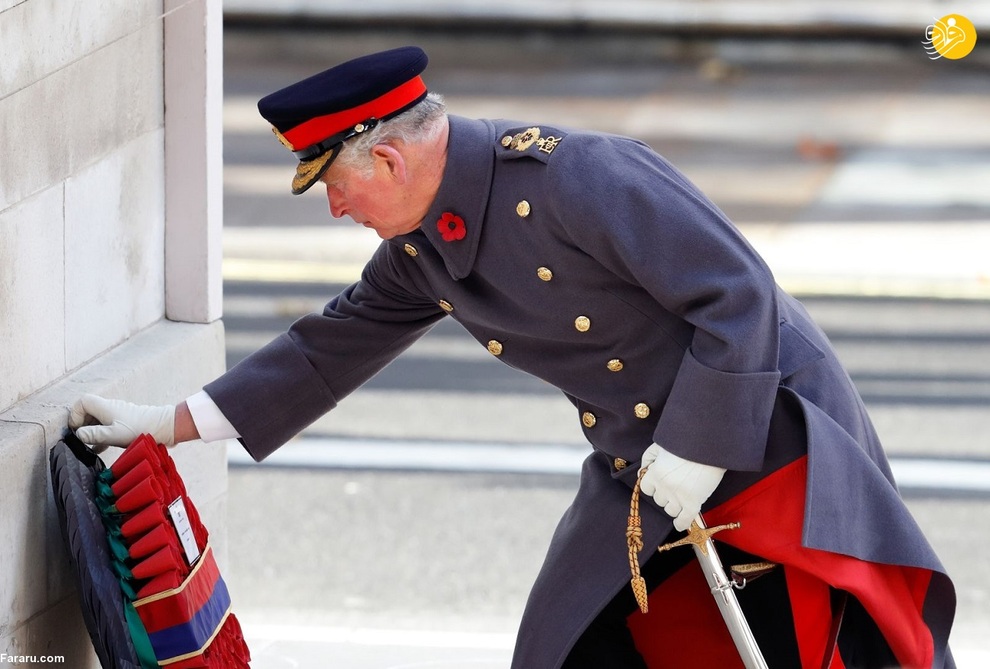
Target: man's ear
[(389, 161)]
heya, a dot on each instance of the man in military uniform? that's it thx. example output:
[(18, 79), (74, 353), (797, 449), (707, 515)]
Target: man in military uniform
[(589, 261)]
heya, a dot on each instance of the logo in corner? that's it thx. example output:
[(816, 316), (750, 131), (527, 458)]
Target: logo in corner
[(953, 36)]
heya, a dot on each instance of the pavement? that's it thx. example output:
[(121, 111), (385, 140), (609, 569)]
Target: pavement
[(858, 170)]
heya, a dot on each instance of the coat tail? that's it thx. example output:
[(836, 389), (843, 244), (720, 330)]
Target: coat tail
[(897, 614)]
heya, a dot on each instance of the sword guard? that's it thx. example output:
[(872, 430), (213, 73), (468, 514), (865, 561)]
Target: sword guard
[(698, 536)]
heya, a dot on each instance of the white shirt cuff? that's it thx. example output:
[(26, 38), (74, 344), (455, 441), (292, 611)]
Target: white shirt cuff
[(210, 421)]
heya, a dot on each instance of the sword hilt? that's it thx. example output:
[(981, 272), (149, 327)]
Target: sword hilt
[(700, 538), (698, 535)]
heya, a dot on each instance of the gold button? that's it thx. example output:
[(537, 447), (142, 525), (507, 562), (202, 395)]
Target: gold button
[(507, 140), (582, 323), (359, 127), (614, 365), (411, 250), (619, 464), (544, 273), (446, 306), (588, 419), (523, 208), (495, 347), (642, 410)]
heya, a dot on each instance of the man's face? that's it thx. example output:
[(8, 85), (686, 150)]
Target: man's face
[(379, 202)]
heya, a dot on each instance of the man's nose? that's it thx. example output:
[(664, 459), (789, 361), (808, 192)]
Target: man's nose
[(336, 200)]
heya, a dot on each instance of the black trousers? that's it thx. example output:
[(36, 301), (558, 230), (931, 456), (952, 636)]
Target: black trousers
[(608, 644)]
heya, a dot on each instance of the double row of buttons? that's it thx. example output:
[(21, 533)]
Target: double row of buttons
[(581, 324)]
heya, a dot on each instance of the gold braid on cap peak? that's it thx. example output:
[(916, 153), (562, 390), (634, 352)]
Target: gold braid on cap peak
[(307, 170), (286, 143)]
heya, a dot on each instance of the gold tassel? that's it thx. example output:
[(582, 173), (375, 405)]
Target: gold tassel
[(639, 589), (634, 541)]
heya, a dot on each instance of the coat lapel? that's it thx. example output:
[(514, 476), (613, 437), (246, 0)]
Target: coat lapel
[(467, 181)]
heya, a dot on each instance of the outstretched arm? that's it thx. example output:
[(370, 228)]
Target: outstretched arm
[(104, 422)]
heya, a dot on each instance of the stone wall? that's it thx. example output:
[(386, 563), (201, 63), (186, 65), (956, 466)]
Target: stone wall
[(110, 220)]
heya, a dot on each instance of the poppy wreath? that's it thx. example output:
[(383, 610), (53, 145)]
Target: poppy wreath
[(182, 603), (451, 227), (175, 606)]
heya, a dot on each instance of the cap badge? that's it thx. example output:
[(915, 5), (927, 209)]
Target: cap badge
[(286, 143), (451, 227), (523, 140)]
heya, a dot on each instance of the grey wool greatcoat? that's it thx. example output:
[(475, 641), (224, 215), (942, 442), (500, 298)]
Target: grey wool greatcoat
[(588, 261)]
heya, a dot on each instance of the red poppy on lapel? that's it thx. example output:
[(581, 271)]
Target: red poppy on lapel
[(451, 227)]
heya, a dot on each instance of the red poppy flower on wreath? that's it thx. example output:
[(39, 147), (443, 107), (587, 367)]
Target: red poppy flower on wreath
[(451, 227)]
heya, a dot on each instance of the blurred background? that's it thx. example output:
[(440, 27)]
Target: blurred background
[(405, 528)]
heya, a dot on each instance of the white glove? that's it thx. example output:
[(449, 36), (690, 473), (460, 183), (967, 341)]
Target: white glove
[(117, 423), (677, 485)]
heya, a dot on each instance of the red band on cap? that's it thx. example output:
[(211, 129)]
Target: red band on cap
[(319, 128)]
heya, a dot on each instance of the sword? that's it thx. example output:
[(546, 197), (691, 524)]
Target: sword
[(700, 538)]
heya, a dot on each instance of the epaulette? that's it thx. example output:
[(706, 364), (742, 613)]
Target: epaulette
[(533, 142)]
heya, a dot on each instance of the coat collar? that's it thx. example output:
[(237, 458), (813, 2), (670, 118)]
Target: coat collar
[(467, 181)]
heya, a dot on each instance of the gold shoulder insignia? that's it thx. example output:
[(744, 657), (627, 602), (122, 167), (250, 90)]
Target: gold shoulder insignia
[(549, 143), (523, 140)]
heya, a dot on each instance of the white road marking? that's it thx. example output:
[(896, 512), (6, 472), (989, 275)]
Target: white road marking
[(911, 473), (420, 456)]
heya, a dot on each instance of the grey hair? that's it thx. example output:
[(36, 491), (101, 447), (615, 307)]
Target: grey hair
[(420, 123)]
